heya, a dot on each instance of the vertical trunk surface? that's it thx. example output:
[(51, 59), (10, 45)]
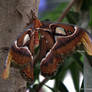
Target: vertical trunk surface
[(87, 76), (12, 20), (87, 58)]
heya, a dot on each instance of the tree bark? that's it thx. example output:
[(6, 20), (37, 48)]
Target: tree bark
[(12, 20), (87, 76), (87, 59)]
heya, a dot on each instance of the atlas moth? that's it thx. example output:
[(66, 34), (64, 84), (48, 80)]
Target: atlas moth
[(57, 40)]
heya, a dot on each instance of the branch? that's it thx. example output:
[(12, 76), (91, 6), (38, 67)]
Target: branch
[(41, 84), (66, 11)]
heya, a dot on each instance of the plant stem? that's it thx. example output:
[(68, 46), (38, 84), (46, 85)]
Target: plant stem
[(41, 84), (66, 11)]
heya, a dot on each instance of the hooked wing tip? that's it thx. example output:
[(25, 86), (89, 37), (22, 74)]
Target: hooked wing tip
[(5, 74), (87, 42), (7, 68)]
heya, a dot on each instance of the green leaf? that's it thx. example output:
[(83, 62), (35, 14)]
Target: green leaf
[(86, 4), (37, 71), (64, 68), (59, 86), (82, 87), (62, 87), (90, 14), (75, 75), (75, 17), (56, 13), (78, 58)]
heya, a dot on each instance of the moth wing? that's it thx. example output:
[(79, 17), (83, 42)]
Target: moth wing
[(27, 73), (50, 63), (87, 42), (7, 67)]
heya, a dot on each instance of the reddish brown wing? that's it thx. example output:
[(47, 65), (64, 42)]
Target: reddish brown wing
[(23, 49), (46, 42), (68, 28), (85, 37), (64, 45), (50, 63), (27, 73), (20, 53)]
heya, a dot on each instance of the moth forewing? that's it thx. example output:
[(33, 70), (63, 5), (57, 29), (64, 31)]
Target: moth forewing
[(60, 30), (5, 74), (87, 42)]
